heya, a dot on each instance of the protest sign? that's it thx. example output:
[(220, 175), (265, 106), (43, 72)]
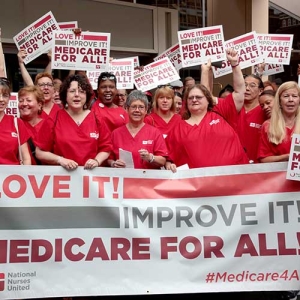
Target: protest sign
[(36, 38), (123, 70), (200, 44), (271, 69), (85, 51), (68, 25), (276, 48), (157, 73), (174, 54), (247, 48), (293, 170), (12, 106), (205, 230), (135, 61)]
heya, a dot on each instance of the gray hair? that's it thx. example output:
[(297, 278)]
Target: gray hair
[(137, 95)]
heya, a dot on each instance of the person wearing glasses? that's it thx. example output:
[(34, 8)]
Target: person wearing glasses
[(76, 137), (45, 82), (206, 136), (104, 107), (276, 133), (120, 98), (163, 115), (13, 133), (144, 141)]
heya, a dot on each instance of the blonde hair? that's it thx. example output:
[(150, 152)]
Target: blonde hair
[(164, 91), (277, 128)]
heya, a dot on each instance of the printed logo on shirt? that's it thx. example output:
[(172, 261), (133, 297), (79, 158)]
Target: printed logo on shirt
[(213, 122), (94, 135), (255, 125), (14, 134), (149, 142), (122, 117)]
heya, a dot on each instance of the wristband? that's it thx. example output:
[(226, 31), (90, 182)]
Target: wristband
[(152, 159), (235, 65), (95, 159)]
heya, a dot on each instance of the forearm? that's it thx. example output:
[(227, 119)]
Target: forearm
[(25, 75), (25, 154), (275, 158), (2, 62), (238, 86), (101, 157)]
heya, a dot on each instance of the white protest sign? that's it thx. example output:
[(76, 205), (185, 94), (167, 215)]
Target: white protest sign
[(271, 69), (293, 170), (36, 39), (135, 61), (199, 45), (85, 51), (247, 48), (123, 70), (276, 48), (68, 25), (174, 55), (12, 106), (154, 74)]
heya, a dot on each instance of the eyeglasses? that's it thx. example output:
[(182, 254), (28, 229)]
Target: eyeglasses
[(165, 86), (139, 107), (195, 97), (251, 85), (43, 85), (4, 96), (5, 81), (121, 95), (107, 76)]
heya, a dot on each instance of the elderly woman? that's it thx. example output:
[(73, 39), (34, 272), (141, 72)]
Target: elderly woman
[(75, 138), (163, 115), (144, 141), (13, 133), (276, 133), (104, 107)]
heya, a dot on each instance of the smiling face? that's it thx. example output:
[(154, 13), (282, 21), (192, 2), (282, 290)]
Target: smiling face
[(29, 106), (107, 92), (76, 97), (137, 111)]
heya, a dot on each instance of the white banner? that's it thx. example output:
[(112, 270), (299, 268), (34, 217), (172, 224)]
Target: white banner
[(12, 107), (196, 231), (271, 69), (86, 51), (293, 171), (36, 38), (174, 54), (68, 25)]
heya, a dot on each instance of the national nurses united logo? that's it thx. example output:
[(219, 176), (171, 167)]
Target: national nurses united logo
[(2, 282)]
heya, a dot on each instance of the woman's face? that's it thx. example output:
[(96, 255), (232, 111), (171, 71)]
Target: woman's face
[(196, 101), (76, 96), (107, 92), (137, 111), (4, 98), (29, 106), (289, 100), (266, 102), (178, 104), (164, 102)]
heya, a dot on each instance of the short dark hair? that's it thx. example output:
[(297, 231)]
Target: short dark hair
[(226, 88), (106, 76)]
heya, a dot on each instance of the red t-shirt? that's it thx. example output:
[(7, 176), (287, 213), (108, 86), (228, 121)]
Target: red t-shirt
[(165, 127), (148, 137), (9, 140), (113, 117), (248, 129), (77, 142), (266, 148), (55, 108)]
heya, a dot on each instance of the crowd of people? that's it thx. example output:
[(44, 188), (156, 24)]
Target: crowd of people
[(250, 121)]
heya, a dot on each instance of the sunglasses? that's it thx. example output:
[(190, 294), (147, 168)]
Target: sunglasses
[(5, 81), (165, 86), (107, 76)]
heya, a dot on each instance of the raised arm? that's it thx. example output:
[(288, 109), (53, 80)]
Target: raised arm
[(25, 75), (48, 68), (237, 77), (2, 64)]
